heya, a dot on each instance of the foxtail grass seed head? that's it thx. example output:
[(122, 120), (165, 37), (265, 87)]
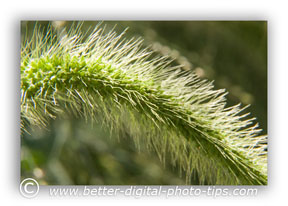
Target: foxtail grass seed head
[(106, 78)]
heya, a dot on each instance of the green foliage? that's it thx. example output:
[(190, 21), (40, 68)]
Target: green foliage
[(107, 79)]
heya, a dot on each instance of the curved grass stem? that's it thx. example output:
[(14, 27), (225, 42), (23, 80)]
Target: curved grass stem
[(106, 78)]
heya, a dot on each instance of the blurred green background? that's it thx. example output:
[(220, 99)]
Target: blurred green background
[(233, 53)]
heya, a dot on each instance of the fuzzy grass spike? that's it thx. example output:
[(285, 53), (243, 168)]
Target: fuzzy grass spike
[(106, 78)]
